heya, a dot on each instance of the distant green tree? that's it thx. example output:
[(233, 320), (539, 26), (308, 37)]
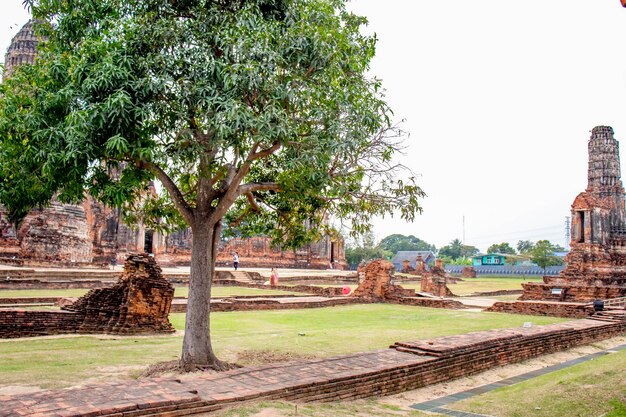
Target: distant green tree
[(524, 246), (457, 249), (542, 254), (458, 261), (397, 242), (503, 248), (364, 249)]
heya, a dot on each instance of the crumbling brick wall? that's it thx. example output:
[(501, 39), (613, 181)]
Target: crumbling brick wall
[(435, 281), (378, 283), (138, 303)]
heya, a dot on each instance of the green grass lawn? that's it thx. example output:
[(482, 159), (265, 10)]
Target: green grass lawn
[(487, 284), (593, 388), (69, 360), (217, 291)]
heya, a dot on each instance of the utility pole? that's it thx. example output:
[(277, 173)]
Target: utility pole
[(463, 229), (567, 232)]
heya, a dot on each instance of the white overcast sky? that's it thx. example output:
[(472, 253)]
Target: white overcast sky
[(499, 98)]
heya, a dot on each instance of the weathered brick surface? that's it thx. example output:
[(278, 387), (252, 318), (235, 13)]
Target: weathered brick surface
[(571, 291), (596, 263), (408, 365), (378, 283), (138, 303), (543, 308)]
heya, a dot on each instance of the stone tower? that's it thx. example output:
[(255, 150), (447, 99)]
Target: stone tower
[(598, 216), (22, 50)]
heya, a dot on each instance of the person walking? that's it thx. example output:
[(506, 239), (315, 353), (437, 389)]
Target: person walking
[(274, 277), (236, 260)]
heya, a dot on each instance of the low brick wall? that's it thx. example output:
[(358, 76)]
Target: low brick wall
[(543, 308), (29, 300), (27, 284), (28, 323), (429, 302), (267, 304), (578, 293)]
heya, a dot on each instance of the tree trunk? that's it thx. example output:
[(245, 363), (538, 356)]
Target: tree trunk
[(197, 349)]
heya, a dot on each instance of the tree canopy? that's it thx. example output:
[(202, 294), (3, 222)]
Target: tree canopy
[(503, 248), (253, 113), (397, 242), (542, 254), (524, 246), (456, 249), (364, 249)]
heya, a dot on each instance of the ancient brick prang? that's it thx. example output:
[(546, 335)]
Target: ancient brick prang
[(377, 283), (22, 50), (598, 244), (596, 263), (139, 302)]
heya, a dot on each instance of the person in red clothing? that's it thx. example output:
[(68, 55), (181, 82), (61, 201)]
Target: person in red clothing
[(274, 278)]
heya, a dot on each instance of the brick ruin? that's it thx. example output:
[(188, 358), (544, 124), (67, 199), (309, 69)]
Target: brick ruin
[(139, 303), (596, 263), (260, 252), (377, 282), (435, 281), (91, 234)]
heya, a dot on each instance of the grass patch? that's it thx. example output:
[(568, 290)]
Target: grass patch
[(488, 284), (68, 360), (593, 388)]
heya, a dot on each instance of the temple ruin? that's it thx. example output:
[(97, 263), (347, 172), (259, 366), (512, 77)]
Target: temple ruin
[(596, 263)]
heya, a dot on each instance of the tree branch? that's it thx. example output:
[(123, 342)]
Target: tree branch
[(258, 186), (177, 197)]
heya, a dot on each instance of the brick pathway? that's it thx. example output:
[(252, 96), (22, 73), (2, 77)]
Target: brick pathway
[(352, 376)]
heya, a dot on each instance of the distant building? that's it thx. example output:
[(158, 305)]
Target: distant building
[(411, 255), (489, 259)]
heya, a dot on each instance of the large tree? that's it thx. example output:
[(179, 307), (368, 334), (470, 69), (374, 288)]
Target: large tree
[(543, 255), (252, 113)]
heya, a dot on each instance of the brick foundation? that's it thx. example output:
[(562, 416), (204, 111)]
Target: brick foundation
[(570, 291), (543, 308)]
